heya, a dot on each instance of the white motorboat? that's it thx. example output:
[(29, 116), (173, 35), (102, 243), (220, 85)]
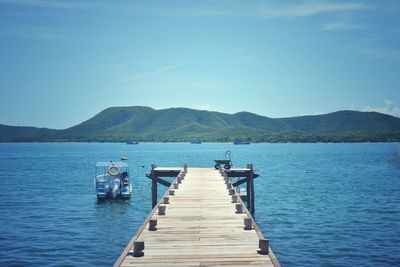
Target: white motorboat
[(112, 180)]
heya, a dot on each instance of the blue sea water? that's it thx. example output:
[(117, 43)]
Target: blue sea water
[(319, 204)]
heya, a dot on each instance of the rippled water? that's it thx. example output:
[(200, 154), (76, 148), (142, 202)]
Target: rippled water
[(319, 204)]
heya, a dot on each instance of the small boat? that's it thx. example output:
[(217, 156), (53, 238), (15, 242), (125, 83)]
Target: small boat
[(112, 180), (132, 143), (195, 142), (240, 142)]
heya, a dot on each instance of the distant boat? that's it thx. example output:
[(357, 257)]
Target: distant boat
[(112, 180), (240, 142), (195, 142), (132, 143)]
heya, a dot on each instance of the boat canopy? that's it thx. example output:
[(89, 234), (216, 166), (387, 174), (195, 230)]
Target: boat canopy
[(109, 163)]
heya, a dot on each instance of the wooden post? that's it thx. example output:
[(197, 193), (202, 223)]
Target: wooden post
[(250, 193), (253, 207), (239, 208), (153, 186), (161, 209), (234, 198), (248, 224), (166, 200), (226, 179), (248, 186), (232, 191), (138, 247), (263, 245), (153, 225), (179, 179)]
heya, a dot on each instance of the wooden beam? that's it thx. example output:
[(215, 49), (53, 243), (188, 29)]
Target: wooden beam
[(167, 173), (161, 181), (231, 173), (239, 182)]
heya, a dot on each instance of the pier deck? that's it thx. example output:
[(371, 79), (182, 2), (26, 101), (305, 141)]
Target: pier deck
[(200, 228)]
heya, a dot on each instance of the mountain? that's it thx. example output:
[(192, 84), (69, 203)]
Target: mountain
[(121, 124), (22, 133), (344, 121)]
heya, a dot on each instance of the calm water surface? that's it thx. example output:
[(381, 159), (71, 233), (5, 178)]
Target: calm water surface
[(319, 204)]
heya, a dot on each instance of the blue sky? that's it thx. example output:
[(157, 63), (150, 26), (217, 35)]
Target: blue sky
[(64, 61)]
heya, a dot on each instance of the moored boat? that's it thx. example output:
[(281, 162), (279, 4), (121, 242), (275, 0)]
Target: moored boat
[(112, 180), (132, 143), (240, 142)]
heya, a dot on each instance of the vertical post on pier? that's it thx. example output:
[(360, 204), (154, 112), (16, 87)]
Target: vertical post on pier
[(253, 207), (153, 186), (250, 189)]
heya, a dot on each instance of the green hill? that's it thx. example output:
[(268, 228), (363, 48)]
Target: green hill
[(344, 121), (121, 124), (22, 133)]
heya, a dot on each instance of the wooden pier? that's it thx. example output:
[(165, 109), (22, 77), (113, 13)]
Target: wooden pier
[(199, 221)]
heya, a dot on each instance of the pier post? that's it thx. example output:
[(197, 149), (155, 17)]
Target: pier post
[(250, 189), (153, 225), (253, 208), (248, 223), (153, 186), (263, 245), (138, 247)]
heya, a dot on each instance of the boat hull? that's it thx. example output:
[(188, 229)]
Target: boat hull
[(109, 187)]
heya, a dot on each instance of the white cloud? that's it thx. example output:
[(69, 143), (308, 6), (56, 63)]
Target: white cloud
[(141, 76), (303, 9), (340, 26), (47, 4), (189, 11), (244, 9), (379, 52), (308, 9), (33, 32), (388, 108)]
